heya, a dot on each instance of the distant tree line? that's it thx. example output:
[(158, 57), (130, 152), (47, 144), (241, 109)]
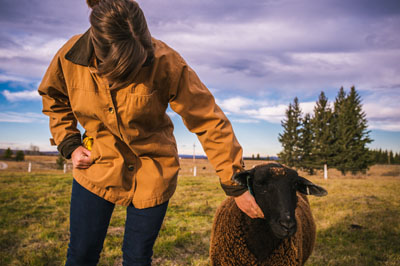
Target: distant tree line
[(8, 155), (385, 157), (335, 135), (261, 158)]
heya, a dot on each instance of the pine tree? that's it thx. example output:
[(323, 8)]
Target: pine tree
[(397, 158), (297, 119), (323, 137), (19, 156), (339, 130), (379, 157), (383, 158), (306, 142), (353, 137), (60, 162), (391, 157), (8, 154), (290, 137), (386, 159)]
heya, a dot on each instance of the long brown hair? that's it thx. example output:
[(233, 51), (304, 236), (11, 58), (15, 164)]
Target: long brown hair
[(121, 39)]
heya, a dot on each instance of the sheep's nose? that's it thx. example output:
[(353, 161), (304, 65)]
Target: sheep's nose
[(288, 224)]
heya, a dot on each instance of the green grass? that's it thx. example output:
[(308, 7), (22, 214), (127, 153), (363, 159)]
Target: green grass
[(358, 223)]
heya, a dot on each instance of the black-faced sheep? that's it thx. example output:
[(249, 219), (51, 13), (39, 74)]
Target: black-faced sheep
[(287, 234)]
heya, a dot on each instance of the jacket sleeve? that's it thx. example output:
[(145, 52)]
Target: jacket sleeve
[(190, 98), (56, 105)]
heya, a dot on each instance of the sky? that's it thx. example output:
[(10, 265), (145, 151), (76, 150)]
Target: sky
[(254, 56)]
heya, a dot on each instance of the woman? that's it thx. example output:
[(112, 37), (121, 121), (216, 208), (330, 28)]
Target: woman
[(117, 81)]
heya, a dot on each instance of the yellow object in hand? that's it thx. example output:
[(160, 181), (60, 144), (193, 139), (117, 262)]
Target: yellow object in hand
[(88, 143)]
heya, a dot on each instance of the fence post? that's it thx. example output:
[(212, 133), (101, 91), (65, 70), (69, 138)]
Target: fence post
[(325, 171), (65, 168), (29, 167)]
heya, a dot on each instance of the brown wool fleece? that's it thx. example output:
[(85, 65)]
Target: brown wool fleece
[(229, 242)]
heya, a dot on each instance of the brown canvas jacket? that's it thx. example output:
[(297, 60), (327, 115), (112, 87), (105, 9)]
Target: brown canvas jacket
[(135, 158)]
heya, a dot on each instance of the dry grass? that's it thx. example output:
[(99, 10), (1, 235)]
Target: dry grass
[(358, 222)]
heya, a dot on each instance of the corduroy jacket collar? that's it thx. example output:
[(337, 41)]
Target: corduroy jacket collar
[(82, 51)]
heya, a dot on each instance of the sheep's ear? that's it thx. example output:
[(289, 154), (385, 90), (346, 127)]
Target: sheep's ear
[(305, 186), (242, 177)]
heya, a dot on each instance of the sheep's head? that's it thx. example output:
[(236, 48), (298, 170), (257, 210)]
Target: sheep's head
[(274, 188)]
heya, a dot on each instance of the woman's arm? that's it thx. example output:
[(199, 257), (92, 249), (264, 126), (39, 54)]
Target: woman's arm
[(195, 104), (56, 105), (190, 98)]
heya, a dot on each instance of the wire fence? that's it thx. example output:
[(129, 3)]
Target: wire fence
[(201, 167), (30, 166)]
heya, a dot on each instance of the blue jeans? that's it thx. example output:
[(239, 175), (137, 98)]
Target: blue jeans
[(89, 219)]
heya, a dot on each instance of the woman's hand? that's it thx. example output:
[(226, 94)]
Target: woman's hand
[(248, 205), (81, 158)]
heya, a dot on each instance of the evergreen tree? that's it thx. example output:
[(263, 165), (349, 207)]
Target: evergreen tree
[(306, 145), (379, 159), (290, 137), (338, 128), (353, 136), (323, 137), (60, 162), (384, 157), (390, 157), (397, 158), (8, 154), (19, 156)]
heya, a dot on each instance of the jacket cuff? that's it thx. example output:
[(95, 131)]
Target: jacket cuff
[(234, 191), (69, 144)]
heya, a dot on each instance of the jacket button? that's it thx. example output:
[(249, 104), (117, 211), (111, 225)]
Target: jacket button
[(131, 167), (111, 110)]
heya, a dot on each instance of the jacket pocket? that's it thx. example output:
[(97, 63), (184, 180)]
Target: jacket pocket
[(88, 105), (145, 110)]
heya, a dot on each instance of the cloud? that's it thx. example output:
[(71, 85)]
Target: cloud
[(382, 111), (257, 46), (32, 52), (32, 47), (248, 110), (254, 50), (235, 104), (28, 117), (290, 55), (246, 121), (43, 17), (27, 95), (287, 47), (11, 78)]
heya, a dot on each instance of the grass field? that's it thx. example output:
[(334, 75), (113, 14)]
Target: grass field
[(358, 223)]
